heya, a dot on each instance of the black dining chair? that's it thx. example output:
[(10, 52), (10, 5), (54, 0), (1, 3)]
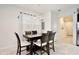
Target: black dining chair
[(21, 45), (43, 43), (34, 32), (51, 40), (28, 33)]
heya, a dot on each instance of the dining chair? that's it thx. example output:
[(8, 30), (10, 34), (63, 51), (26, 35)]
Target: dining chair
[(28, 33), (43, 43), (34, 32), (51, 40), (21, 45)]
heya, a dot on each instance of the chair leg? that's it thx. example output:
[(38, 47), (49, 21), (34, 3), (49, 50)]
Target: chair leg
[(48, 50), (41, 47), (26, 49), (17, 50), (41, 51), (53, 47)]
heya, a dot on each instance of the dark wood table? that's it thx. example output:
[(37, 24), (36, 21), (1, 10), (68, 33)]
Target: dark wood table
[(31, 38)]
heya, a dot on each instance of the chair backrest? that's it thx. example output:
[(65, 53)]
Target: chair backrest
[(51, 35), (27, 32), (34, 32), (18, 39), (45, 37), (48, 33)]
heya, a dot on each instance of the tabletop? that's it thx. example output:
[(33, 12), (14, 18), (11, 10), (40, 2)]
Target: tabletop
[(32, 36)]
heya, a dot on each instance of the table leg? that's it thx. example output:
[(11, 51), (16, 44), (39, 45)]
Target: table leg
[(48, 49), (31, 50)]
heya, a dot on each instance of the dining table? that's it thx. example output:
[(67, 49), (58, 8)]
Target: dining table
[(31, 38)]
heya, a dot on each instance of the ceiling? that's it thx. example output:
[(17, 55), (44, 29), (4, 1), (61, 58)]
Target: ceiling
[(42, 8)]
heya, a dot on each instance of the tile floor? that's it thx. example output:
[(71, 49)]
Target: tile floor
[(62, 47)]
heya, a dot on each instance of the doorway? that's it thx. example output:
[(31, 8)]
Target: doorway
[(66, 29)]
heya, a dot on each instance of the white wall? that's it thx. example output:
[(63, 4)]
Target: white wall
[(54, 20), (47, 20), (55, 24), (74, 26), (9, 23)]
